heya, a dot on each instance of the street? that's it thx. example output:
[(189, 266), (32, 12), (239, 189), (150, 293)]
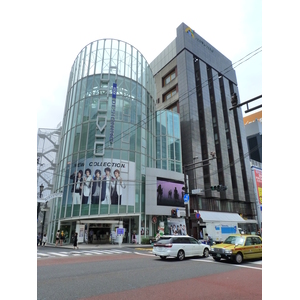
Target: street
[(136, 274)]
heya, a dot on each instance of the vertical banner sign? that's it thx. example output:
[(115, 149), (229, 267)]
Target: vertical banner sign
[(258, 180), (112, 119)]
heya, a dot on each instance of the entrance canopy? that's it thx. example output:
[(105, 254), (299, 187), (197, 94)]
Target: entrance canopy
[(214, 216)]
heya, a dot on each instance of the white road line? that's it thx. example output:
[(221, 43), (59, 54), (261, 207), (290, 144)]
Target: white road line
[(152, 255), (215, 262), (42, 254), (59, 254)]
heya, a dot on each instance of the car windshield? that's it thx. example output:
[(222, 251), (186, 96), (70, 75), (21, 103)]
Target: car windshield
[(239, 240)]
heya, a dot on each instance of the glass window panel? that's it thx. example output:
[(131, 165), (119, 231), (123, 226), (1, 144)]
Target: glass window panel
[(78, 87), (133, 111), (164, 146), (176, 125), (81, 57), (83, 88), (163, 123), (158, 150), (91, 135), (80, 112), (89, 87), (106, 58), (99, 57), (86, 109), (171, 147), (86, 61), (93, 58), (77, 137), (170, 123), (94, 108), (177, 150), (84, 134)]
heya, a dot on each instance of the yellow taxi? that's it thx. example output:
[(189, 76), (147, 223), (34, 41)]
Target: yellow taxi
[(238, 247)]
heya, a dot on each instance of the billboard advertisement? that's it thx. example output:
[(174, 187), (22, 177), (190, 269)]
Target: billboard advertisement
[(170, 192), (258, 182), (101, 180)]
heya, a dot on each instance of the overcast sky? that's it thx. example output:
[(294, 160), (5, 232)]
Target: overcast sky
[(234, 28)]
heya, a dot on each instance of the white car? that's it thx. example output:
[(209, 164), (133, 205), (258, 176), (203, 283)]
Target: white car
[(179, 246)]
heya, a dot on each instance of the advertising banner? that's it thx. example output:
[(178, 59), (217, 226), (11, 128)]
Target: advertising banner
[(100, 180), (170, 192), (176, 226), (258, 181)]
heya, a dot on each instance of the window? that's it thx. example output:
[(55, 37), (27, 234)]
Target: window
[(168, 78), (169, 94)]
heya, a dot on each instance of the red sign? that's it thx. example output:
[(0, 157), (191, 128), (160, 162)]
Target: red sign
[(258, 181), (198, 215)]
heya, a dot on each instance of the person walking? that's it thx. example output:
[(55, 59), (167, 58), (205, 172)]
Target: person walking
[(38, 238), (61, 238), (75, 241), (57, 238), (44, 240)]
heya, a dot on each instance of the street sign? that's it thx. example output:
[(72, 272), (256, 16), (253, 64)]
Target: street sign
[(197, 215), (197, 191), (186, 198)]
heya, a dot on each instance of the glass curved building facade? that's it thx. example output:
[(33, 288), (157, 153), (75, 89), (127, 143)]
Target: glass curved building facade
[(108, 140)]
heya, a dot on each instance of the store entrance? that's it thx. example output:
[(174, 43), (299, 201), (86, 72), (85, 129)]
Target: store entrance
[(99, 234)]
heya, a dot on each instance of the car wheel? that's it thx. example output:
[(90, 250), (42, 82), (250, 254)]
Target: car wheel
[(163, 257), (180, 255), (216, 258), (239, 258), (206, 252)]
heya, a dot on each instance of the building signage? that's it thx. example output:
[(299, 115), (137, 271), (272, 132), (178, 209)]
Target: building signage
[(191, 33), (258, 181), (113, 108)]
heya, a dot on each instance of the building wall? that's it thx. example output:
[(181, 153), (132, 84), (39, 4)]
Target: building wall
[(206, 81), (106, 126)]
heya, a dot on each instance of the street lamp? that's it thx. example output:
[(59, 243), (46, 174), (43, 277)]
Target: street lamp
[(39, 204), (44, 217)]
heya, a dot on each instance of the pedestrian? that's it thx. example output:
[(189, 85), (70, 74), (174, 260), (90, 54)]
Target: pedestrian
[(75, 241), (57, 238), (38, 238), (157, 235), (61, 237), (44, 239), (201, 234)]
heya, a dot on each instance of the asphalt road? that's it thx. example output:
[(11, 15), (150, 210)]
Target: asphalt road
[(140, 275)]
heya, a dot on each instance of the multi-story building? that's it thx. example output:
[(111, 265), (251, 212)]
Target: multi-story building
[(135, 136), (194, 79), (108, 146)]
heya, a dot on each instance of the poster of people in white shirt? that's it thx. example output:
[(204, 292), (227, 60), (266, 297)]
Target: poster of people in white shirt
[(102, 181)]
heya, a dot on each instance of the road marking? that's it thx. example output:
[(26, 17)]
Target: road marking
[(43, 254), (59, 254), (152, 255), (216, 262)]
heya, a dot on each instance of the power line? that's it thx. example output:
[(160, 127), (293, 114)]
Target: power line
[(152, 116)]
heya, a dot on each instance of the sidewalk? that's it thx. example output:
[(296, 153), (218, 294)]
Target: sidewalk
[(99, 246)]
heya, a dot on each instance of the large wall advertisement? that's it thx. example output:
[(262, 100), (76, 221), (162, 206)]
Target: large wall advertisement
[(170, 192), (258, 181), (101, 180)]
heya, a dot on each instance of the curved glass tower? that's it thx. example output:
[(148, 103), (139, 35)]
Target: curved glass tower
[(107, 140)]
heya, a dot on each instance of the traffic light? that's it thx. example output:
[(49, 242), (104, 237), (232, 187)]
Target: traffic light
[(218, 188), (234, 99), (174, 213)]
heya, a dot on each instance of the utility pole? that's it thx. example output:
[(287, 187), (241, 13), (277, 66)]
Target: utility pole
[(191, 167), (39, 203)]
